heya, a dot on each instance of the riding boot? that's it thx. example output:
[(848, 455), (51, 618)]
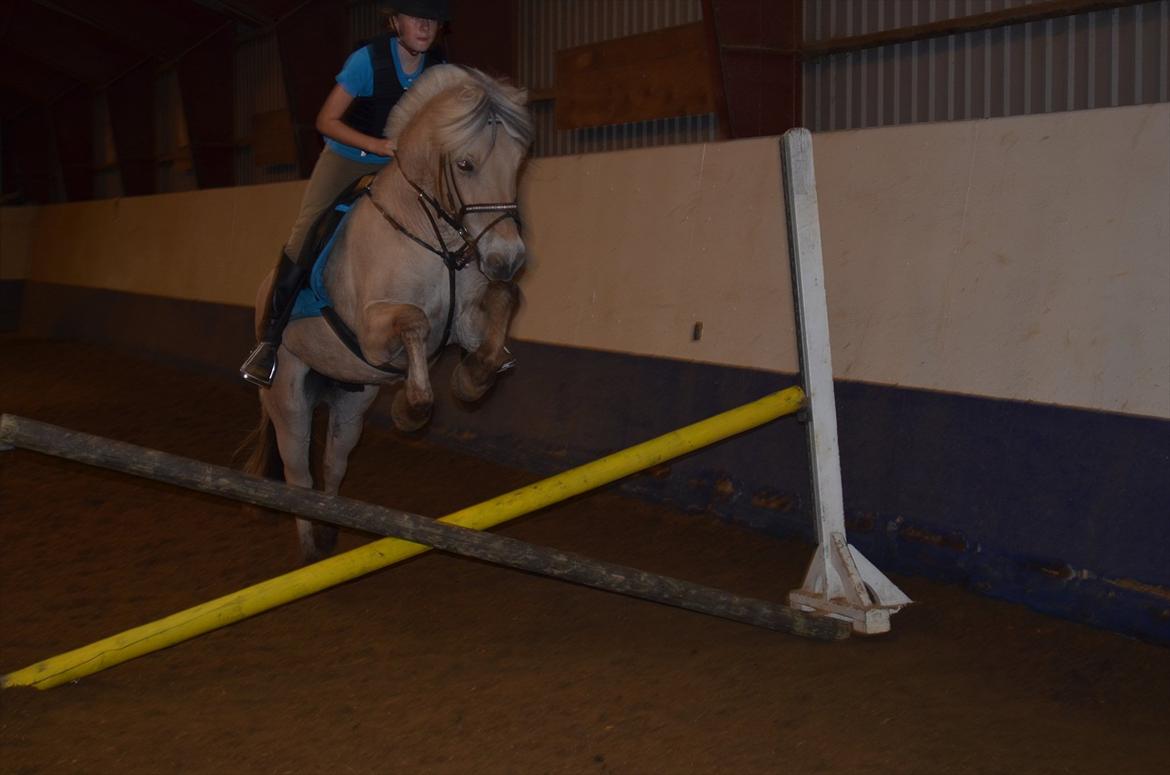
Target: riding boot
[(260, 366)]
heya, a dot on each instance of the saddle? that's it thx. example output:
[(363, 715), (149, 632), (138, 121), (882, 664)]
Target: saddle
[(313, 299)]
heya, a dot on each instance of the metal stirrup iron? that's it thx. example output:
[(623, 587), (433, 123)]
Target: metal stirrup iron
[(260, 366)]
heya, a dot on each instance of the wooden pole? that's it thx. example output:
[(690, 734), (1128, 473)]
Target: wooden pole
[(1049, 9), (456, 533)]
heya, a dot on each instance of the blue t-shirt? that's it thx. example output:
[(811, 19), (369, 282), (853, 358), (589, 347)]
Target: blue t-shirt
[(357, 78)]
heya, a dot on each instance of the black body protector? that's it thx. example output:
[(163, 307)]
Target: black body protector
[(368, 114)]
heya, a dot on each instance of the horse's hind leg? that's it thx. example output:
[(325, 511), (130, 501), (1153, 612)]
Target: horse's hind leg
[(291, 409), (347, 411), (477, 372), (386, 328)]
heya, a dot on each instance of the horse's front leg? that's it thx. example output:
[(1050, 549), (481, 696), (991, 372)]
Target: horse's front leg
[(477, 372), (387, 328)]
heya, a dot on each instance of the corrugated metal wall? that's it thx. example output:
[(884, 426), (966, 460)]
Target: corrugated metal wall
[(259, 88), (365, 22), (107, 178), (1116, 57), (1101, 59), (175, 169), (548, 25)]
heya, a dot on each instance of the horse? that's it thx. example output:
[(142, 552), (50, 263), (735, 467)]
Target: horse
[(397, 286)]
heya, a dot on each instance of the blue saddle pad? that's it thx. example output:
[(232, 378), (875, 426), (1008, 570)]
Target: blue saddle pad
[(314, 297)]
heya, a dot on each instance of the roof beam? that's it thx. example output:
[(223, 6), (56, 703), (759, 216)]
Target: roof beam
[(157, 28)]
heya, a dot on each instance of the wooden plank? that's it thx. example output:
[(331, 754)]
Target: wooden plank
[(272, 139), (983, 21), (760, 84), (658, 74), (812, 331), (715, 71)]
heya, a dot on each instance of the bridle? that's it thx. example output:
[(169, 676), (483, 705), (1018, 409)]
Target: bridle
[(435, 211), (454, 261)]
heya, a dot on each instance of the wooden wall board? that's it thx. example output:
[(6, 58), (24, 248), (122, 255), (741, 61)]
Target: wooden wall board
[(658, 74)]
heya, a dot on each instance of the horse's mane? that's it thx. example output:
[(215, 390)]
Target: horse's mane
[(458, 121)]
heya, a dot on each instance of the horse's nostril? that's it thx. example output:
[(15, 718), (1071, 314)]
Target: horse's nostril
[(500, 267)]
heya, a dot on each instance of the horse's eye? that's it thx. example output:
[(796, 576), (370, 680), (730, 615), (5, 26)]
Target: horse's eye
[(465, 165)]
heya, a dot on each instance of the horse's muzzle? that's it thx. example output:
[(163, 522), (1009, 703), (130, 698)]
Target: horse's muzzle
[(502, 267)]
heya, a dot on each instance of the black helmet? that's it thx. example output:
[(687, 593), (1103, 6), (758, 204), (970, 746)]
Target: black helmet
[(439, 10)]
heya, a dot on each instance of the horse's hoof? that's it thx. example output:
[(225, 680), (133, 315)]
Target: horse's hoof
[(466, 386), (408, 418), (317, 540)]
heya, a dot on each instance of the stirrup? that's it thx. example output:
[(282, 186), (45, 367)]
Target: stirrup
[(508, 364), (260, 366)]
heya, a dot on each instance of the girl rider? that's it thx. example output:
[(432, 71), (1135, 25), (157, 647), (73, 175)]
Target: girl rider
[(352, 120)]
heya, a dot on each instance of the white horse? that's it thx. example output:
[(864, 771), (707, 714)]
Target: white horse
[(396, 281)]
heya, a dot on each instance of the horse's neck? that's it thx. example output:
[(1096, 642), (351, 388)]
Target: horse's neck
[(373, 257), (393, 193), (390, 189)]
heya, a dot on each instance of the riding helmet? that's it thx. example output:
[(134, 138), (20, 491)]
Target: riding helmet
[(439, 10)]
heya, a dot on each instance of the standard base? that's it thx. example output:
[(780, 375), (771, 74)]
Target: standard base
[(843, 584)]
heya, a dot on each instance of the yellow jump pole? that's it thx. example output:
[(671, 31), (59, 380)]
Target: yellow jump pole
[(308, 580)]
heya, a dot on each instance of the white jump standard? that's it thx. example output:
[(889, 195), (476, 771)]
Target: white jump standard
[(840, 581)]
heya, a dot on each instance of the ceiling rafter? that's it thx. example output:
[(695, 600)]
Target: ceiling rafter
[(54, 53), (241, 12)]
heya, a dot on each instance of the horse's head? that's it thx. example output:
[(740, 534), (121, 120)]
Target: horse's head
[(462, 137)]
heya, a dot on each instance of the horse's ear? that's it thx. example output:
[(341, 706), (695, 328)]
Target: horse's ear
[(522, 96)]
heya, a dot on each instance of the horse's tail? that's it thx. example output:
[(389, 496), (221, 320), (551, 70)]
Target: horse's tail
[(264, 457)]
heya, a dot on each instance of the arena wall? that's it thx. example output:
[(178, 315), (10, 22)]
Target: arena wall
[(999, 298)]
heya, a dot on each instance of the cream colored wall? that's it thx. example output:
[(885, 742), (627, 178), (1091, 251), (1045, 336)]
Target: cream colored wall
[(1026, 258), (1023, 258), (212, 245), (16, 232), (630, 250)]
